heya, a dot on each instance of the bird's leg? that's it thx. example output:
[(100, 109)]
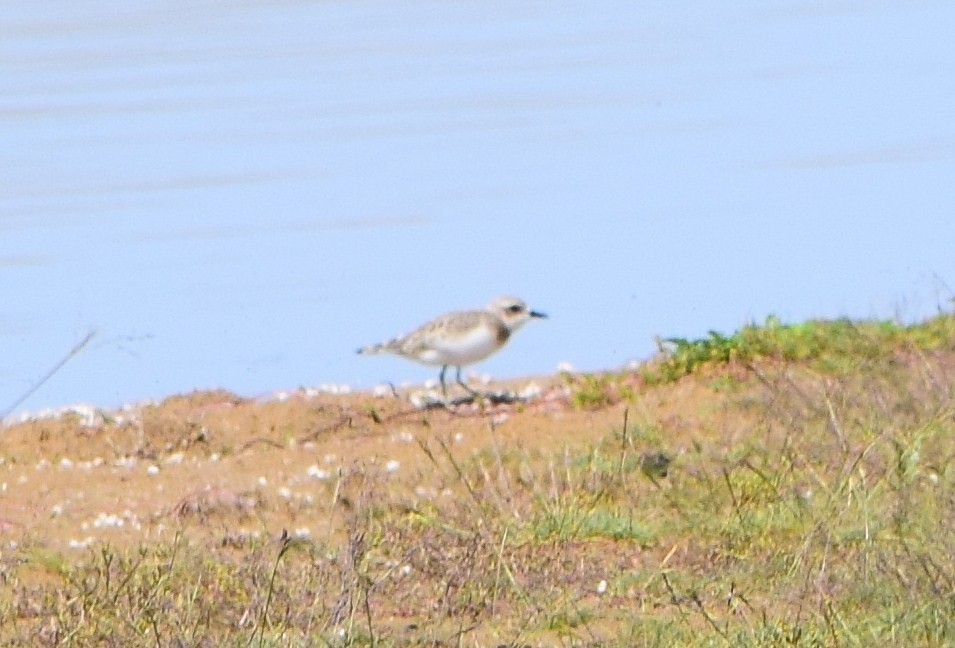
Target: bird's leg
[(464, 384), (444, 387)]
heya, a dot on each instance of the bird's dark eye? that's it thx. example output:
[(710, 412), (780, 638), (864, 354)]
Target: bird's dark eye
[(514, 308)]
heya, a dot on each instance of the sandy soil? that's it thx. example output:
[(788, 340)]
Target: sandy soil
[(219, 467)]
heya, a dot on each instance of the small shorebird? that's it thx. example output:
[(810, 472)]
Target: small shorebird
[(460, 338)]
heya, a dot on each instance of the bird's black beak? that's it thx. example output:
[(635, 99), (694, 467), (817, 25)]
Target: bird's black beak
[(538, 314)]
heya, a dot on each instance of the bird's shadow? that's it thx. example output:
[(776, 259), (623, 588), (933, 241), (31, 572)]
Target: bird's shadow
[(491, 398)]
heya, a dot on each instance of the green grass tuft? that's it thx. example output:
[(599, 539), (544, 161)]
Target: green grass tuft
[(829, 345)]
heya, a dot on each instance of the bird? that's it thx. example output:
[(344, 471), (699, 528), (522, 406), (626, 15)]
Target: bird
[(460, 338)]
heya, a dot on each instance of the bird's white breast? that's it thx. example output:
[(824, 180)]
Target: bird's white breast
[(462, 348)]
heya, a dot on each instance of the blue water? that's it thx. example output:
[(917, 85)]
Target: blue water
[(239, 195)]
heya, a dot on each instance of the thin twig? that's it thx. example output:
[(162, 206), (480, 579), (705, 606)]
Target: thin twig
[(623, 444), (285, 543), (52, 372)]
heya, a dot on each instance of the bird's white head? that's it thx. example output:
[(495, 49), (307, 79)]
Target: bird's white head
[(513, 312)]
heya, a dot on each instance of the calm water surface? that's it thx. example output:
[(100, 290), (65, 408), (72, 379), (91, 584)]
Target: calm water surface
[(240, 194)]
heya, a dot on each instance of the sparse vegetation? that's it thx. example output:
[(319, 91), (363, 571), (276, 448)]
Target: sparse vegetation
[(827, 345), (811, 504), (595, 391)]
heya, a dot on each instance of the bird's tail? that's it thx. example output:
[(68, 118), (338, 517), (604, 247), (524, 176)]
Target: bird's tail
[(381, 347)]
